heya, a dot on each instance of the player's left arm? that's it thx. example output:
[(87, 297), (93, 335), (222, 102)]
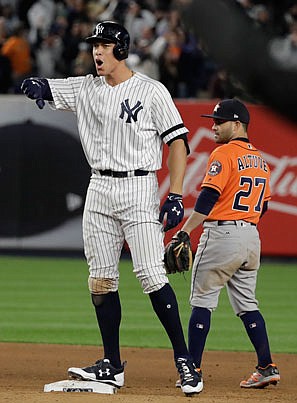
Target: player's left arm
[(173, 206), (177, 163), (212, 187), (173, 133)]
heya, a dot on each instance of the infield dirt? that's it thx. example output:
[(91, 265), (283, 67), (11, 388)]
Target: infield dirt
[(150, 376)]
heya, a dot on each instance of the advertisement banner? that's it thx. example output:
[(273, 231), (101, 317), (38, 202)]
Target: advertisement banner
[(44, 175), (276, 138), (43, 178)]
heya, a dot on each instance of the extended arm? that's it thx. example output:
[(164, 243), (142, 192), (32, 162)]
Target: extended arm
[(37, 88)]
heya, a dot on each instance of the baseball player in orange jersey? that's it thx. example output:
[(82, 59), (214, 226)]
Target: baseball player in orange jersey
[(235, 194)]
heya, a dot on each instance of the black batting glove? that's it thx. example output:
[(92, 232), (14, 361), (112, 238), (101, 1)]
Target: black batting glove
[(37, 88), (174, 208)]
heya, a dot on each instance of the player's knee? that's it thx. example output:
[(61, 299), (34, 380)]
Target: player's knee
[(99, 287), (98, 299)]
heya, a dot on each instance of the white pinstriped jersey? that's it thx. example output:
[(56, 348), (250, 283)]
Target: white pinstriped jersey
[(121, 128)]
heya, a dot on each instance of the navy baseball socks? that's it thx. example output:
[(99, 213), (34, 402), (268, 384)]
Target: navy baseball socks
[(198, 329), (108, 370), (109, 313), (199, 325), (165, 305), (266, 371)]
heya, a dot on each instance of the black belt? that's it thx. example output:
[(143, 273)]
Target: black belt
[(123, 174), (232, 222)]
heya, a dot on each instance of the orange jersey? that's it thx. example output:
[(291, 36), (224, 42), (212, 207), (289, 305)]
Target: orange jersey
[(240, 174)]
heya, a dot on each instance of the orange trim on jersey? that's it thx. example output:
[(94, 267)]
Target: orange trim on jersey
[(241, 175)]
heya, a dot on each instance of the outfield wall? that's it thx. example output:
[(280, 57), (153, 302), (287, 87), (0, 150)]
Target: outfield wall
[(44, 175)]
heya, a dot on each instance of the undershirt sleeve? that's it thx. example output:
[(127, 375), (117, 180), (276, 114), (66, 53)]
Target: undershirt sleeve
[(206, 200)]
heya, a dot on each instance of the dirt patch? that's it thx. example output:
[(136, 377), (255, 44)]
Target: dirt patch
[(150, 376)]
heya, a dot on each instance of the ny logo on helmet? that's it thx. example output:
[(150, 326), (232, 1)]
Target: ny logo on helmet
[(99, 29), (131, 112)]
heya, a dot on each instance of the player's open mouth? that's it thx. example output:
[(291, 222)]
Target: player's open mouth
[(99, 63)]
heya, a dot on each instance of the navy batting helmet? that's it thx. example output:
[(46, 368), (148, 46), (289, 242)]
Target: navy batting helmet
[(113, 32)]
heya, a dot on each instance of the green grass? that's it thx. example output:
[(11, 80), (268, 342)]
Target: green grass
[(46, 300)]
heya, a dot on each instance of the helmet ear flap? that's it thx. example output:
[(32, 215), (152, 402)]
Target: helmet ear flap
[(120, 52)]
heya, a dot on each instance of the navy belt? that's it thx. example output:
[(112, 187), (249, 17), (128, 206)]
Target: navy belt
[(123, 174), (232, 222)]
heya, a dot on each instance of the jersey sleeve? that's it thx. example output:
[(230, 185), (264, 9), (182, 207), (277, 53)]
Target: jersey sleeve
[(65, 92), (218, 171), (166, 116)]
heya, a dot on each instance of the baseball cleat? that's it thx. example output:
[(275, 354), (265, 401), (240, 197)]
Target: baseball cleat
[(101, 371), (178, 382), (262, 377), (190, 381)]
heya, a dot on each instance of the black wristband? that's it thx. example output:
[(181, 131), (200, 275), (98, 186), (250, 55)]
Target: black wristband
[(174, 196)]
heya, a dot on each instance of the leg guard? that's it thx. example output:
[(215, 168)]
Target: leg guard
[(99, 286)]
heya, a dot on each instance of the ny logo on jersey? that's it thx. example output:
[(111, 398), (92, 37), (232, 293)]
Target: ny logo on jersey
[(131, 112)]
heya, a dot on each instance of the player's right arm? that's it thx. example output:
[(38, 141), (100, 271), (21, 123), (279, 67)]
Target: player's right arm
[(65, 92), (209, 194), (61, 93), (204, 204), (37, 88)]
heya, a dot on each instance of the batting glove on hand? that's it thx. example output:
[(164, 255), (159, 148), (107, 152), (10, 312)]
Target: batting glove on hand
[(174, 208), (37, 88)]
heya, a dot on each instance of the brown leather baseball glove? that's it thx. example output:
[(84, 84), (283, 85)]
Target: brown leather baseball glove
[(178, 254)]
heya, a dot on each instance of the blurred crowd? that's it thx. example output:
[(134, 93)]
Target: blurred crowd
[(46, 38)]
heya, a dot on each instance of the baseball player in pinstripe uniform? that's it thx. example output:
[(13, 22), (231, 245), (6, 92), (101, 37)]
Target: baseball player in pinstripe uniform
[(235, 194), (124, 118)]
